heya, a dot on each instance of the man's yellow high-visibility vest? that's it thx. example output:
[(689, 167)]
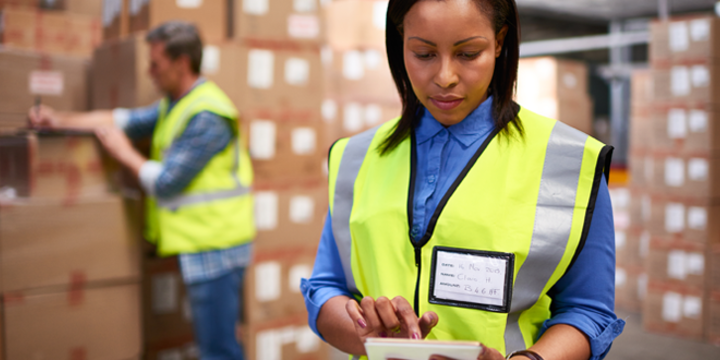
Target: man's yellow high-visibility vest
[(507, 230), (215, 211)]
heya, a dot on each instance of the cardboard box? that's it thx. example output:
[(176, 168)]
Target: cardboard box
[(55, 243), (290, 216), (15, 165), (20, 3), (642, 169), (210, 16), (685, 130), (691, 176), (714, 265), (347, 118), (120, 75), (83, 7), (12, 123), (289, 339), (87, 323), (272, 290), (713, 323), (640, 208), (60, 81), (685, 38), (166, 310), (677, 262), (693, 83), (181, 348), (283, 21), (359, 74), (285, 146), (116, 19), (630, 287), (694, 220), (52, 32), (356, 24), (557, 89), (641, 92), (676, 310), (631, 246)]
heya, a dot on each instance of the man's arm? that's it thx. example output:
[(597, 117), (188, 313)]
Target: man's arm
[(46, 117)]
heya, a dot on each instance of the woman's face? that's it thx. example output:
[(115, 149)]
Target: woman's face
[(450, 49)]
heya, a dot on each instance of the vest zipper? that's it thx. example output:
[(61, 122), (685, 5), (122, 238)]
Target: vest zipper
[(418, 264)]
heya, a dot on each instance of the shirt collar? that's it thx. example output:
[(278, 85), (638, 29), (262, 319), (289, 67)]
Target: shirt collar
[(475, 126), (197, 83)]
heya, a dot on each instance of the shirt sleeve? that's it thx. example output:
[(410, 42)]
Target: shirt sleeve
[(137, 123), (327, 279), (205, 135), (589, 305)]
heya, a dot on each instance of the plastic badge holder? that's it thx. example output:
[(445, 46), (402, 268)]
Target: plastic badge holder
[(406, 349)]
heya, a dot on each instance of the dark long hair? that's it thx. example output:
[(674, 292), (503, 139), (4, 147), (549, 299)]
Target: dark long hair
[(505, 110)]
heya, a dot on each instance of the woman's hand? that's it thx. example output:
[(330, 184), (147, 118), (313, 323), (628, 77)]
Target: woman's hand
[(486, 354), (389, 318)]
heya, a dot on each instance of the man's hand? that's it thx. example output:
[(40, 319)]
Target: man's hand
[(389, 318), (43, 117), (120, 147)]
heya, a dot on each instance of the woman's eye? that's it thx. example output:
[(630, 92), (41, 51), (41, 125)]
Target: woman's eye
[(469, 55), (423, 56)]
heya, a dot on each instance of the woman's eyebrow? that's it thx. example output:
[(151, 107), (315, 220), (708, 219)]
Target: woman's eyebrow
[(423, 40), (455, 44)]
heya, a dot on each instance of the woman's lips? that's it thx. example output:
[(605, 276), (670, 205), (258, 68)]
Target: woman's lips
[(446, 103)]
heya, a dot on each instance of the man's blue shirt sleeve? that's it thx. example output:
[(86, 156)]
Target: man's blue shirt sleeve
[(328, 277)]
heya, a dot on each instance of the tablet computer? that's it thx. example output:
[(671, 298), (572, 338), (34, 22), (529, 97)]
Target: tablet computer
[(407, 349)]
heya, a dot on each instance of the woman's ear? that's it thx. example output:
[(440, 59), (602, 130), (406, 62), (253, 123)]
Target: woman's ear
[(500, 40)]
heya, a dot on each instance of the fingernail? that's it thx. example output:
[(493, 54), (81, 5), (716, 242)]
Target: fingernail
[(416, 336), (383, 334), (362, 323)]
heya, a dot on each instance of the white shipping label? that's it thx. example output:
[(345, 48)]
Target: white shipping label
[(287, 335), (353, 117), (676, 265), (680, 81), (329, 111), (700, 76), (301, 209), (697, 218), (470, 278), (645, 208), (46, 83), (698, 169), (621, 219), (694, 263), (678, 36), (569, 80), (303, 26), (261, 65), (672, 307), (676, 120), (305, 5), (698, 122), (692, 307), (353, 67), (620, 239), (372, 59), (267, 281), (210, 60), (379, 14), (266, 210), (620, 277), (305, 340), (642, 286), (256, 7), (700, 30), (303, 141), (644, 246), (188, 4), (649, 168), (297, 71), (373, 115), (262, 139), (164, 293), (674, 172), (296, 274), (674, 218), (620, 198), (268, 345)]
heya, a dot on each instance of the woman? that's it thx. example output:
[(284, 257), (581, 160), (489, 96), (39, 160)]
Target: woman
[(468, 218)]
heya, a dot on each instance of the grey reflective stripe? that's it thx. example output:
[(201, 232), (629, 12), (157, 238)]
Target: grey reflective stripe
[(348, 170), (176, 202), (553, 222), (354, 357)]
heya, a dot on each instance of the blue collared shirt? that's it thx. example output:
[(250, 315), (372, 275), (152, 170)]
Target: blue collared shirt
[(442, 153)]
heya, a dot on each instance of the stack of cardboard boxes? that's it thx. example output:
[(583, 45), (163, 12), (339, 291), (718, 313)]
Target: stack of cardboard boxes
[(556, 88), (675, 163)]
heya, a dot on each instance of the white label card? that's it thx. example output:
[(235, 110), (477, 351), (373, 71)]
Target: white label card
[(698, 121), (303, 26), (210, 60), (674, 172), (678, 36), (256, 7), (680, 81), (676, 128), (473, 279), (46, 83), (260, 68), (700, 30), (188, 4), (297, 71)]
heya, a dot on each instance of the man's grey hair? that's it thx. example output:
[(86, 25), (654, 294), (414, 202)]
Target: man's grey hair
[(180, 38)]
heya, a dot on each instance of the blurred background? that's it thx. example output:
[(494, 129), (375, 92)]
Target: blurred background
[(78, 282)]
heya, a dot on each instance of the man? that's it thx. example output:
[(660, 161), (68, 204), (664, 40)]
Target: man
[(197, 179)]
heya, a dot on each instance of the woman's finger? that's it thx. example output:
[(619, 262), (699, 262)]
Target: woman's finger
[(386, 311), (407, 316), (427, 323), (369, 308), (355, 313)]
